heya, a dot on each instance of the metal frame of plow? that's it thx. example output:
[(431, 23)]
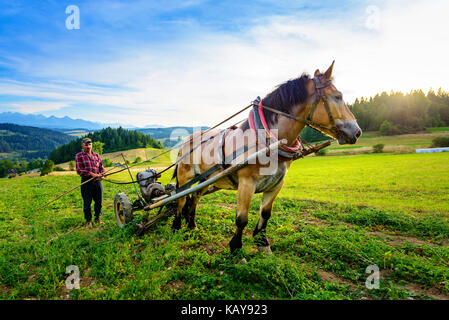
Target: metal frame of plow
[(208, 182)]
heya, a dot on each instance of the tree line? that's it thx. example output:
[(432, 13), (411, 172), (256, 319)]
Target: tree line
[(398, 113), (9, 167), (117, 139)]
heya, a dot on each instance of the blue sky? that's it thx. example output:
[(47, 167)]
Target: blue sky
[(194, 62)]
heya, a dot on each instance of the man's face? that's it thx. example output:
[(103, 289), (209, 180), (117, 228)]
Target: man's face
[(87, 147)]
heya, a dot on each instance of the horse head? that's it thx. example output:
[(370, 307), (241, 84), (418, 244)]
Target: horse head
[(327, 110)]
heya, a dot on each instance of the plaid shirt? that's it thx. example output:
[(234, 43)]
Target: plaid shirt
[(86, 165)]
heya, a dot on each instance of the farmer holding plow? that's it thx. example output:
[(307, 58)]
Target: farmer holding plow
[(89, 166)]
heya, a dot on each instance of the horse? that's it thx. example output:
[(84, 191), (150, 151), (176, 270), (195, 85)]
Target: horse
[(291, 106)]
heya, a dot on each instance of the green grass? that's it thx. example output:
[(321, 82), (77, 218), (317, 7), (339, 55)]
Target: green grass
[(405, 143), (437, 129), (413, 183), (333, 218)]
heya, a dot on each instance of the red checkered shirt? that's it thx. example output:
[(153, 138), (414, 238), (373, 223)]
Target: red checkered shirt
[(86, 165)]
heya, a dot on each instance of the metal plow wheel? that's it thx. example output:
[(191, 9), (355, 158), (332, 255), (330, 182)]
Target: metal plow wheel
[(123, 209)]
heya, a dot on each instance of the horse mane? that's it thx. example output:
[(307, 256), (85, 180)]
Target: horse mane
[(283, 98)]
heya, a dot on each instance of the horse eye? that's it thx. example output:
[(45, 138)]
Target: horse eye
[(338, 97)]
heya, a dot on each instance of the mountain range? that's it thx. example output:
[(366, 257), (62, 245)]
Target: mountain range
[(52, 122)]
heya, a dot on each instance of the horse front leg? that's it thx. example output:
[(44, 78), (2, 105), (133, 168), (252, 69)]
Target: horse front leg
[(266, 207), (245, 194)]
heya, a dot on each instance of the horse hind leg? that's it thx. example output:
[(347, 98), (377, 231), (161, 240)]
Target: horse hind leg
[(260, 234), (187, 209), (178, 216), (245, 194), (195, 199), (183, 172)]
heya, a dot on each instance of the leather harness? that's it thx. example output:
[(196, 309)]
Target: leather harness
[(256, 120)]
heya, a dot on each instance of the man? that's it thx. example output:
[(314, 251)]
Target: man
[(88, 166)]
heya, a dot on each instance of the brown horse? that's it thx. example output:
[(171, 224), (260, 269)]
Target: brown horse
[(296, 103)]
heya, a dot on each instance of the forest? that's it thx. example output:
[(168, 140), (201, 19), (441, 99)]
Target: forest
[(396, 113), (28, 143), (114, 140), (399, 113)]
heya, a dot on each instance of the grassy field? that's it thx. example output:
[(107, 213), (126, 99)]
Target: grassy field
[(404, 143), (437, 129), (334, 217)]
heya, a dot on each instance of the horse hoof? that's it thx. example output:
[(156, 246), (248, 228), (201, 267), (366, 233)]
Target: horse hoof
[(192, 226), (266, 249)]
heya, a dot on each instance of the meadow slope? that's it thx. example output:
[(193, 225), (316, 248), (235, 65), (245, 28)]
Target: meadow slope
[(335, 217)]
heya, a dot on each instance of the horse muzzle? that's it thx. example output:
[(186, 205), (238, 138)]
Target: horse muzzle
[(348, 132)]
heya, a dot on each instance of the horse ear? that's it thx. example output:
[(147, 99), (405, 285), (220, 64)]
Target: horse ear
[(328, 73), (317, 73)]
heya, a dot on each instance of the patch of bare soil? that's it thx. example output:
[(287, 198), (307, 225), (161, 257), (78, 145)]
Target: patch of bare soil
[(396, 240), (62, 173), (4, 290), (176, 285), (350, 151), (330, 277), (313, 221), (420, 289), (390, 238)]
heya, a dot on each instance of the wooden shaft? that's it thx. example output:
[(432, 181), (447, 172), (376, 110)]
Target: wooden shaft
[(316, 148)]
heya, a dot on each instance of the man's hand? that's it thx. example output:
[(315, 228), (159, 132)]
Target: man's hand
[(98, 176)]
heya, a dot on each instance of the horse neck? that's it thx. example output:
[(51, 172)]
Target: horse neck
[(288, 128)]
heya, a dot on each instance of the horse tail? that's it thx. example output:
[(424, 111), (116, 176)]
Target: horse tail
[(175, 175)]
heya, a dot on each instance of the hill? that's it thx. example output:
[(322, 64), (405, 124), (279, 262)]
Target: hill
[(131, 155), (24, 142), (113, 140)]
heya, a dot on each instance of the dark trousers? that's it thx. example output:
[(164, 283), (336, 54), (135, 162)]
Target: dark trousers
[(91, 191)]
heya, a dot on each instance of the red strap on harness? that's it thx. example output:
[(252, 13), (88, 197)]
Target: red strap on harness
[(252, 125), (297, 145)]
